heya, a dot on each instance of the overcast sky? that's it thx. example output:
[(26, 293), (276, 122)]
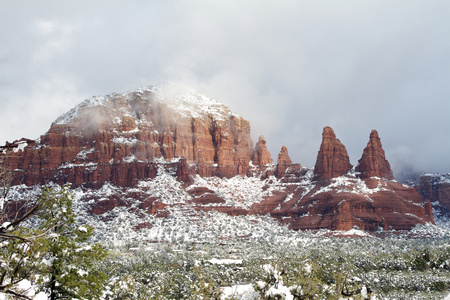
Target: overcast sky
[(289, 67)]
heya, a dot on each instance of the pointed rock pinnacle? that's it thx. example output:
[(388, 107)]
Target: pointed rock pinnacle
[(283, 162), (261, 155), (373, 162), (332, 159)]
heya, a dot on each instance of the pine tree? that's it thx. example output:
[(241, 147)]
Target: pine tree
[(71, 262), (41, 242), (20, 245)]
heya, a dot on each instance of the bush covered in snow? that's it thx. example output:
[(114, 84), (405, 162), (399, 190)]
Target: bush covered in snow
[(305, 267)]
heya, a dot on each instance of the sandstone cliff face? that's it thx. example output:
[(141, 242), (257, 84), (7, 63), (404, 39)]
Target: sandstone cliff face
[(373, 162), (436, 188), (116, 138), (332, 159)]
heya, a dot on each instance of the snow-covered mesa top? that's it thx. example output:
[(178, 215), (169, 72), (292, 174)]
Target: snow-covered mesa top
[(183, 99), (189, 101)]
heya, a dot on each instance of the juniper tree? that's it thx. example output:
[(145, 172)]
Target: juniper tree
[(43, 244), (20, 246), (71, 262)]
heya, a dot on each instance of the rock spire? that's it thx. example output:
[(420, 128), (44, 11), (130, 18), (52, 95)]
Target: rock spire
[(261, 156), (373, 162), (283, 162), (332, 159)]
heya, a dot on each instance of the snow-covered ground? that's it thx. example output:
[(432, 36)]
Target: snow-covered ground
[(253, 245), (185, 223)]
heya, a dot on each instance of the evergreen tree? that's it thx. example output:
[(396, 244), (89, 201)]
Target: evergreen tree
[(71, 262), (20, 245), (40, 242)]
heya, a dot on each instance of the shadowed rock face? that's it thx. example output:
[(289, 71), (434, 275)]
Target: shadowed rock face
[(332, 159), (373, 162), (436, 188)]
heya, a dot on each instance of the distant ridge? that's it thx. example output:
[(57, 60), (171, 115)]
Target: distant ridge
[(181, 142)]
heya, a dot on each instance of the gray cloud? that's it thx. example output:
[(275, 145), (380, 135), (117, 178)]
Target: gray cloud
[(290, 67)]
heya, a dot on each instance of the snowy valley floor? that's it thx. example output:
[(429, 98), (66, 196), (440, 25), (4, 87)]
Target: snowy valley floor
[(303, 265), (210, 255)]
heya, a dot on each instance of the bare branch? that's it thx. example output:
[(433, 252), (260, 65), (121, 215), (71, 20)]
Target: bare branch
[(19, 219), (20, 296)]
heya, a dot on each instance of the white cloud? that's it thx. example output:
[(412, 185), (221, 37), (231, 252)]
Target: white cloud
[(290, 67), (30, 114), (55, 38)]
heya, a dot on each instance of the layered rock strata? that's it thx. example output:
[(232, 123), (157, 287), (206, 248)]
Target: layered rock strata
[(339, 199), (436, 188), (117, 138), (350, 202)]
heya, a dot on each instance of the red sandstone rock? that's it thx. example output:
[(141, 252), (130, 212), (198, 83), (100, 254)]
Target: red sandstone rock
[(208, 199), (184, 172), (203, 196), (436, 188), (232, 211), (373, 162), (100, 207), (152, 205), (341, 208), (283, 162), (261, 156), (332, 159), (115, 138), (199, 190), (126, 137)]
